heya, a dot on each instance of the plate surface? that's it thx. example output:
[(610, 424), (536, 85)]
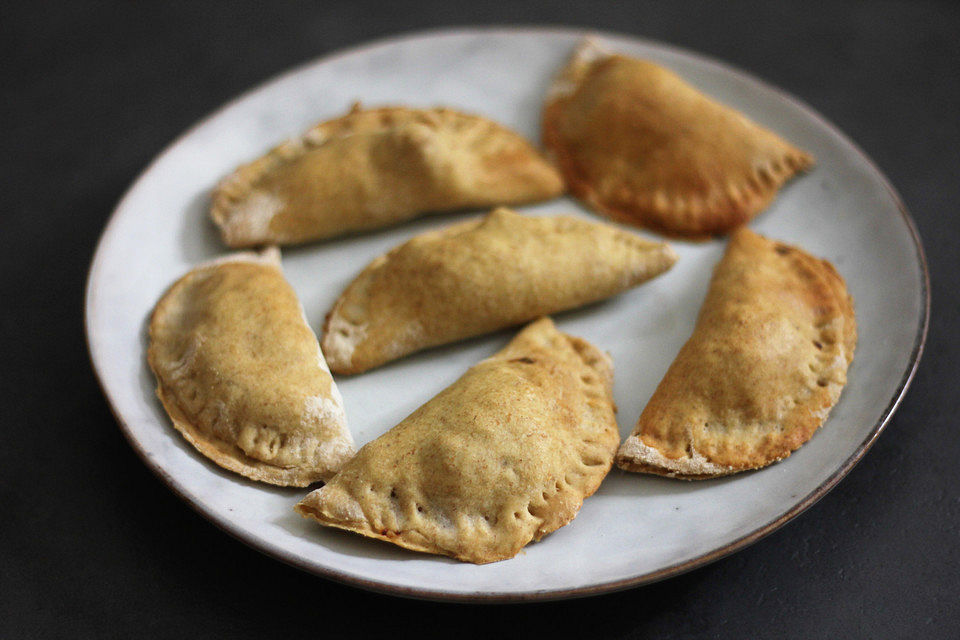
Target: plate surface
[(636, 528)]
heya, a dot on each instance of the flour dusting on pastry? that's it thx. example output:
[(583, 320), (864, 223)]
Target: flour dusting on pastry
[(251, 217)]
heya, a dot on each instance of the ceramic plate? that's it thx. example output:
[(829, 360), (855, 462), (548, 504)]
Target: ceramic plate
[(636, 528)]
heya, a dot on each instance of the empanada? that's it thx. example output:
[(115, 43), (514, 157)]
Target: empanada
[(503, 456), (636, 142), (765, 364), (241, 374), (374, 168), (478, 276)]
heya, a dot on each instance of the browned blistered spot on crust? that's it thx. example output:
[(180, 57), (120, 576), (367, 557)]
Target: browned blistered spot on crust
[(766, 362), (637, 143)]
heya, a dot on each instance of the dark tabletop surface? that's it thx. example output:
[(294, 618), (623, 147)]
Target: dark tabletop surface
[(93, 545)]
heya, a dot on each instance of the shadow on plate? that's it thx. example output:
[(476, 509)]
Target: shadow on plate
[(351, 544)]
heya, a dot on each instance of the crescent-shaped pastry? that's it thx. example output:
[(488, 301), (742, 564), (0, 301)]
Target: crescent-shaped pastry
[(637, 143), (766, 362), (503, 456), (374, 168), (479, 276), (241, 374)]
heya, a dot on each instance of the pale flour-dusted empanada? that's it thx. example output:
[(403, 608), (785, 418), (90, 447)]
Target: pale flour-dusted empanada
[(241, 374), (765, 364), (479, 276), (377, 167), (503, 456), (636, 142)]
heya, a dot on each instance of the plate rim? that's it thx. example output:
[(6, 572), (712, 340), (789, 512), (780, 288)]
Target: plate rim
[(536, 595)]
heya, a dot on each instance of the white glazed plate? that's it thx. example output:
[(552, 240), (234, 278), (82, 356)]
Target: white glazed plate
[(636, 528)]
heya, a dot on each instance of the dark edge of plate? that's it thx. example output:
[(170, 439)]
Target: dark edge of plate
[(560, 594)]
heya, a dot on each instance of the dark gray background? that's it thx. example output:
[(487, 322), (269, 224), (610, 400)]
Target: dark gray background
[(93, 545)]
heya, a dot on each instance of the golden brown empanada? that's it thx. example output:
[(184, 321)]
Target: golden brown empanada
[(503, 456), (479, 276), (766, 362), (636, 142), (242, 376), (377, 167)]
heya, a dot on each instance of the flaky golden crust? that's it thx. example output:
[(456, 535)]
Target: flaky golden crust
[(637, 143), (374, 168), (766, 362), (479, 276), (502, 457), (241, 375)]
